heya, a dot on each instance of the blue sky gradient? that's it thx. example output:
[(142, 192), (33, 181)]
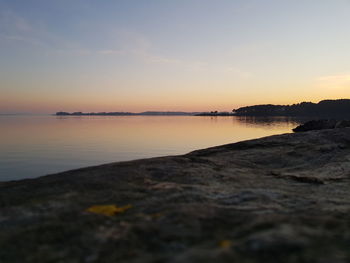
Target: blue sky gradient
[(190, 55)]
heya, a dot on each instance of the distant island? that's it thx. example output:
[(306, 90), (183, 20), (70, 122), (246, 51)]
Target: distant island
[(146, 113), (216, 113), (326, 108)]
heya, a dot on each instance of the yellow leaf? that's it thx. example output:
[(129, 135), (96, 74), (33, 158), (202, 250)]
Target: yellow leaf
[(108, 210), (156, 215), (225, 243)]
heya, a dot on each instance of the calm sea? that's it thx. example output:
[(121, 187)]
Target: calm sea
[(31, 146)]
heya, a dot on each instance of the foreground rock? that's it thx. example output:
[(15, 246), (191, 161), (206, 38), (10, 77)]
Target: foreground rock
[(283, 198)]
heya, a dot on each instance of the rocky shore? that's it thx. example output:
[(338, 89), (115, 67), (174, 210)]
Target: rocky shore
[(284, 198)]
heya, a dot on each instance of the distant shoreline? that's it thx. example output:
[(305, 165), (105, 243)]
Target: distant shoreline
[(324, 108), (146, 113)]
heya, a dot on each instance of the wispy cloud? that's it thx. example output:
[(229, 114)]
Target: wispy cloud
[(111, 52), (24, 39), (239, 73), (148, 57), (135, 45), (17, 29), (337, 81), (115, 42), (10, 21)]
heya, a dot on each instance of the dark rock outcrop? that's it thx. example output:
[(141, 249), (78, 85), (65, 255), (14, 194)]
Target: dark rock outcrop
[(316, 125), (282, 198), (321, 125)]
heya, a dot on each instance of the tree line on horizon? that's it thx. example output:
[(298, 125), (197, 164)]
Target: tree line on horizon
[(340, 107)]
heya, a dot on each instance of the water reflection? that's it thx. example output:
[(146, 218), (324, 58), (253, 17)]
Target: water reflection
[(272, 121), (31, 146)]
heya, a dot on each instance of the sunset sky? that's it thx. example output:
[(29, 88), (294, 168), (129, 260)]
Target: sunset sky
[(189, 55)]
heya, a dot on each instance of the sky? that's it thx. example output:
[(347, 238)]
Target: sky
[(188, 55)]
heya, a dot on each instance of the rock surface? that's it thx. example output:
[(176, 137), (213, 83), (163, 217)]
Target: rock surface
[(283, 198)]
